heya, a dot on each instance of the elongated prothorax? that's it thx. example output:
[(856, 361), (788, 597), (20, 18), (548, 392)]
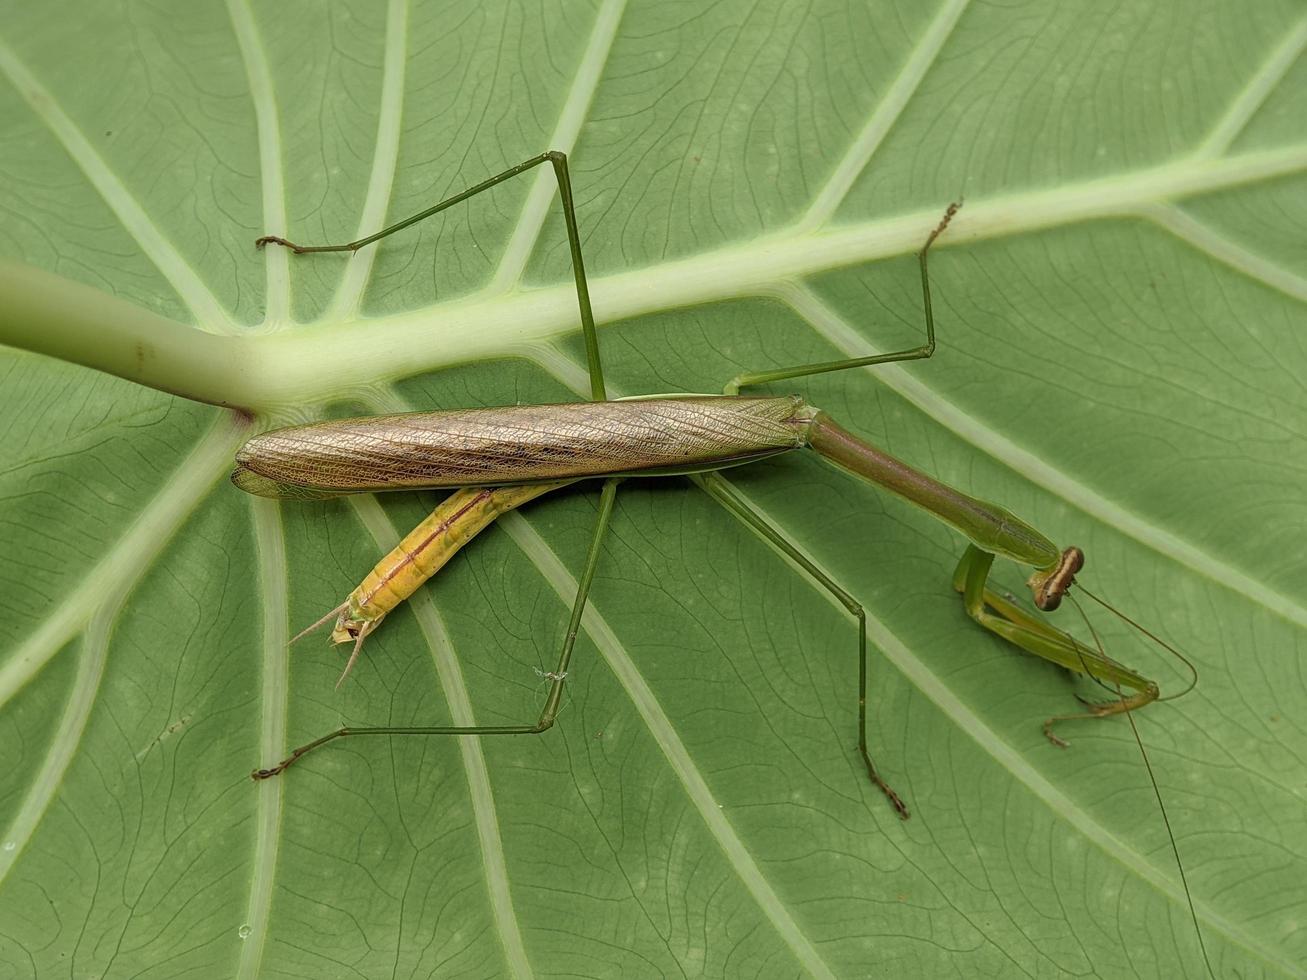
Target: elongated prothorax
[(991, 527)]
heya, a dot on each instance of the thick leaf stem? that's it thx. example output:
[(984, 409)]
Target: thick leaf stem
[(51, 315)]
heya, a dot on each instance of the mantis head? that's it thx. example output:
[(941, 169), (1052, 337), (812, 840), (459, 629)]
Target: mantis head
[(1049, 584)]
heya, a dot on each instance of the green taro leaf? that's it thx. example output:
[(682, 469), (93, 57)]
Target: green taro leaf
[(1121, 362)]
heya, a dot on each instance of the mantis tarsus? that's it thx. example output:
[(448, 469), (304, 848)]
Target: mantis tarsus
[(501, 458)]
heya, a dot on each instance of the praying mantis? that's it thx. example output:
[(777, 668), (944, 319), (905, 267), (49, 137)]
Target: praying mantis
[(498, 459)]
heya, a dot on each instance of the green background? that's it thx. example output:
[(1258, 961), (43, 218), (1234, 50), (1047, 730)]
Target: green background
[(1122, 362)]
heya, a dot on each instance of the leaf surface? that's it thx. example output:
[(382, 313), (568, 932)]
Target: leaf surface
[(1120, 316)]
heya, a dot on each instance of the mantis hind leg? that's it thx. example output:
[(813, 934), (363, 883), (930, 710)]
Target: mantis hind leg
[(909, 354), (558, 160), (557, 676), (722, 491), (1034, 635)]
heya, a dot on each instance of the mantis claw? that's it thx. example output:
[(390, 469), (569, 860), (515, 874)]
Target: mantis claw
[(1060, 742), (276, 240)]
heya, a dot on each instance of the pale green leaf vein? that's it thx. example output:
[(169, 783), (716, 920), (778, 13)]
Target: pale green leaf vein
[(883, 117), (486, 816), (385, 154), (264, 97), (324, 360), (1209, 241), (327, 360), (49, 775), (1254, 94), (664, 734), (208, 311), (574, 111), (135, 551), (275, 690)]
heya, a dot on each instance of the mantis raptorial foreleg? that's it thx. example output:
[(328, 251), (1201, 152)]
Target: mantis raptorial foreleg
[(991, 611), (1001, 617)]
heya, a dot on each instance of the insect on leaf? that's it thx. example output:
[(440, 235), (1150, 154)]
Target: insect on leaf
[(1120, 308)]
